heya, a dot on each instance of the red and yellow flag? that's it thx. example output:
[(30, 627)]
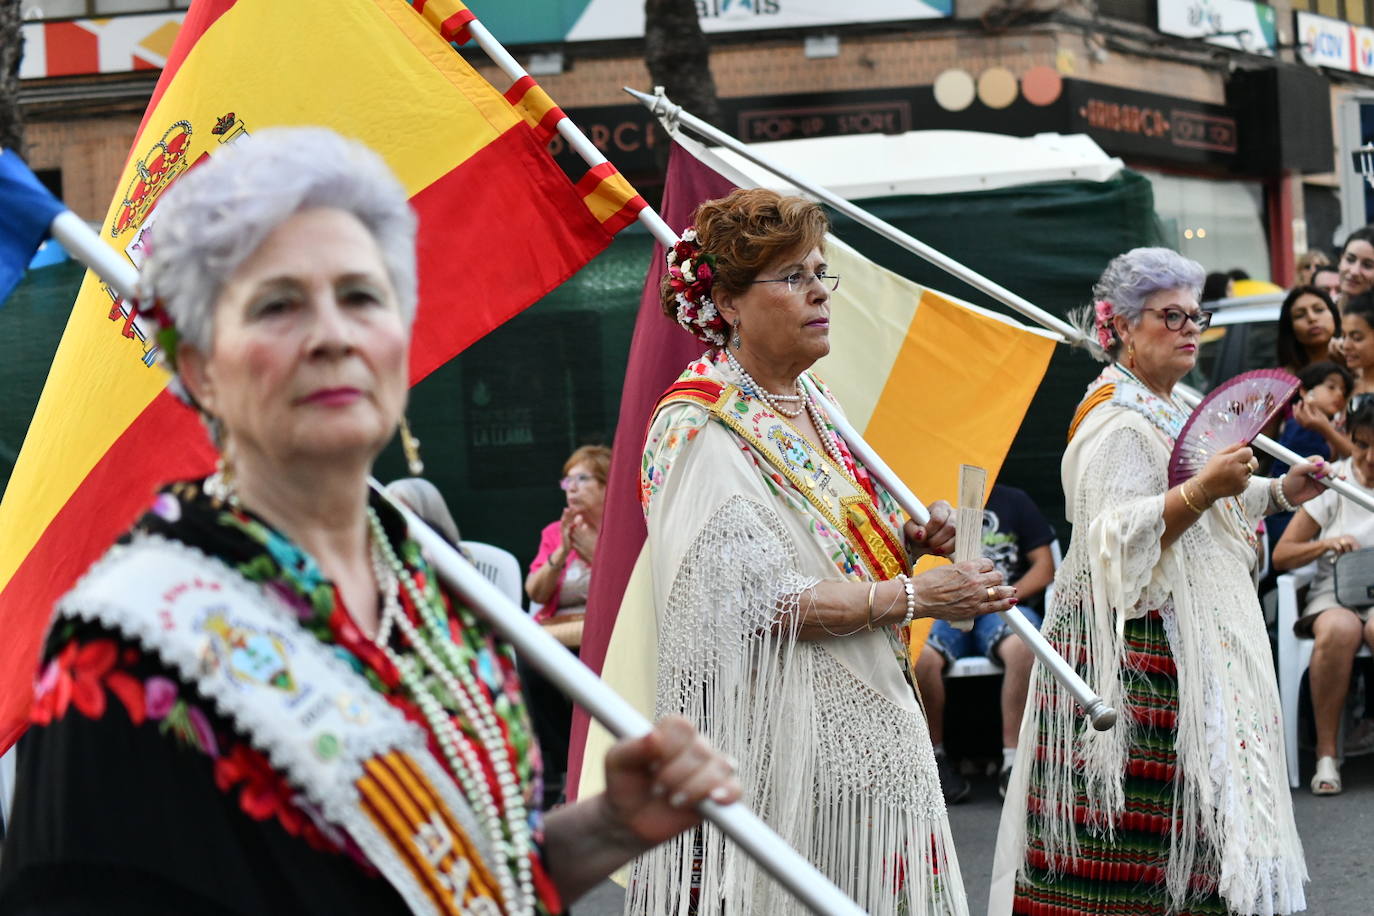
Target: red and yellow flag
[(500, 226)]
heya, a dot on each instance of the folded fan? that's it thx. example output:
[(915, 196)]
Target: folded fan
[(968, 522), (1234, 412)]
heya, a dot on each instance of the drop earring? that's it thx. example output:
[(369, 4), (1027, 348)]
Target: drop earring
[(735, 341), (411, 447), (222, 486)]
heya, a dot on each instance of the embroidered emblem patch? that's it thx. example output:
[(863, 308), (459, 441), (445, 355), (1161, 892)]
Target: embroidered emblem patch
[(253, 657), (797, 457)]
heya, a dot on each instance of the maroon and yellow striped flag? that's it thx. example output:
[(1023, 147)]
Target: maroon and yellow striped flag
[(500, 226), (929, 381)]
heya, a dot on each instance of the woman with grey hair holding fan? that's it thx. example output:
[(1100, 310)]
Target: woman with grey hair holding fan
[(1183, 806), (262, 700)]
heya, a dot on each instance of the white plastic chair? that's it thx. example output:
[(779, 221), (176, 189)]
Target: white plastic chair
[(500, 567), (1295, 655), (981, 665)]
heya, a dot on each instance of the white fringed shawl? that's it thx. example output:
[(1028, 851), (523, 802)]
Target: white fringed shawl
[(1231, 804), (833, 750)]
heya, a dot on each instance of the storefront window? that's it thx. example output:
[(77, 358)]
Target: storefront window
[(1219, 224)]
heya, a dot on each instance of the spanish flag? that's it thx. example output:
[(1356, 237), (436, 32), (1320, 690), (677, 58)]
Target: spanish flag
[(930, 381), (500, 226)]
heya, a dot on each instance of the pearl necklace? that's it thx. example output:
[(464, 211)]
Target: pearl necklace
[(458, 681), (828, 439), (774, 401)]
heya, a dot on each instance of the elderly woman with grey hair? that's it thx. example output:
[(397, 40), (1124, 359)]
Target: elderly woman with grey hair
[(262, 700), (1183, 806)]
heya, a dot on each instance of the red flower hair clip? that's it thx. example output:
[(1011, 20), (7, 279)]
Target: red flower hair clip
[(691, 272)]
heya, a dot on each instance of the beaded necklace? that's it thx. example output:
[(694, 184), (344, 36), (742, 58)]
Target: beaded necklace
[(448, 666), (808, 404)]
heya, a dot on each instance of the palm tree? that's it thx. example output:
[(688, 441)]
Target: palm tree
[(679, 57), (11, 49)]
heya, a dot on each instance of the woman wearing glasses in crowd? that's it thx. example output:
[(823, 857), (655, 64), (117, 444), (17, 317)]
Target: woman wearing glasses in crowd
[(558, 581), (1182, 806), (780, 580)]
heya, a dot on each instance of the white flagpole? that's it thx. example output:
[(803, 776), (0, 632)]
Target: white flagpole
[(570, 132), (580, 683), (671, 115), (1099, 713)]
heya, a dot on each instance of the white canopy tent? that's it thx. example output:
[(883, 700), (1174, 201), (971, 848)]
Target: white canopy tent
[(926, 162)]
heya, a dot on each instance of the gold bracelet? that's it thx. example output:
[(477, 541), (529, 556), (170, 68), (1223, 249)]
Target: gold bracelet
[(1205, 495), (872, 587), (1183, 491)]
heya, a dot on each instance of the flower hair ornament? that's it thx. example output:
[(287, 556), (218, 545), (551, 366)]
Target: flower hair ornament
[(165, 333), (1102, 322), (690, 274)]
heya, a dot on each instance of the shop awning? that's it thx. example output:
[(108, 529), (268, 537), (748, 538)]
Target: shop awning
[(928, 162)]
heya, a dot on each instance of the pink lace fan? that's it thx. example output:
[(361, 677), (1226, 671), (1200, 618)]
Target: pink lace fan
[(1234, 412)]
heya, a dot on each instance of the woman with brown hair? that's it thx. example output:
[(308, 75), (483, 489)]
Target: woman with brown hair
[(781, 581)]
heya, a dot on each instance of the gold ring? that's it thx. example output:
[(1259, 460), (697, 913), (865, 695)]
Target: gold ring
[(1254, 465), (992, 594)]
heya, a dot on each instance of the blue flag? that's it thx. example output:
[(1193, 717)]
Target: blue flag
[(26, 211)]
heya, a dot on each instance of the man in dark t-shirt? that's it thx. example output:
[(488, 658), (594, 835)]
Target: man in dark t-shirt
[(1017, 539)]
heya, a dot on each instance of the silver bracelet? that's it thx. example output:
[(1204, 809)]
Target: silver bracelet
[(910, 600), (1279, 497)]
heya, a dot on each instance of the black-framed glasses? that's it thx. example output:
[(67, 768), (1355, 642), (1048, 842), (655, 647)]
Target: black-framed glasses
[(801, 279), (1174, 319)]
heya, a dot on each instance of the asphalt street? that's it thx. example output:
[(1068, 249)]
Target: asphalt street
[(1337, 834)]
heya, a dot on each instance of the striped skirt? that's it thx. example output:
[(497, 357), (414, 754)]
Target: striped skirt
[(1124, 874)]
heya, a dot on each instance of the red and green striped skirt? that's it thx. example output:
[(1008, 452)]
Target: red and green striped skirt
[(1123, 874)]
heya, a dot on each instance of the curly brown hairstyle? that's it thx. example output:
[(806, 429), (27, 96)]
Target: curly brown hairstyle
[(746, 230)]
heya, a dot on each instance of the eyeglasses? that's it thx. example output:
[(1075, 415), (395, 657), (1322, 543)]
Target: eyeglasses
[(802, 279), (1174, 319), (575, 480)]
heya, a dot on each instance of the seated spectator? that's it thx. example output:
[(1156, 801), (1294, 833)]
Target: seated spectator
[(558, 580), (1328, 280), (1322, 529), (1307, 264), (1017, 539), (1216, 286), (1308, 322)]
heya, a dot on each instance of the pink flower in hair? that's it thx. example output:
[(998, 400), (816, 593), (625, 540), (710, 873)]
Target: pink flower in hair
[(1102, 309)]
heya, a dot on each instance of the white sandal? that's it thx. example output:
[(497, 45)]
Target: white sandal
[(1327, 779)]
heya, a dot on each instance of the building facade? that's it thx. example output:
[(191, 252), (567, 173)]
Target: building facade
[(1239, 112)]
